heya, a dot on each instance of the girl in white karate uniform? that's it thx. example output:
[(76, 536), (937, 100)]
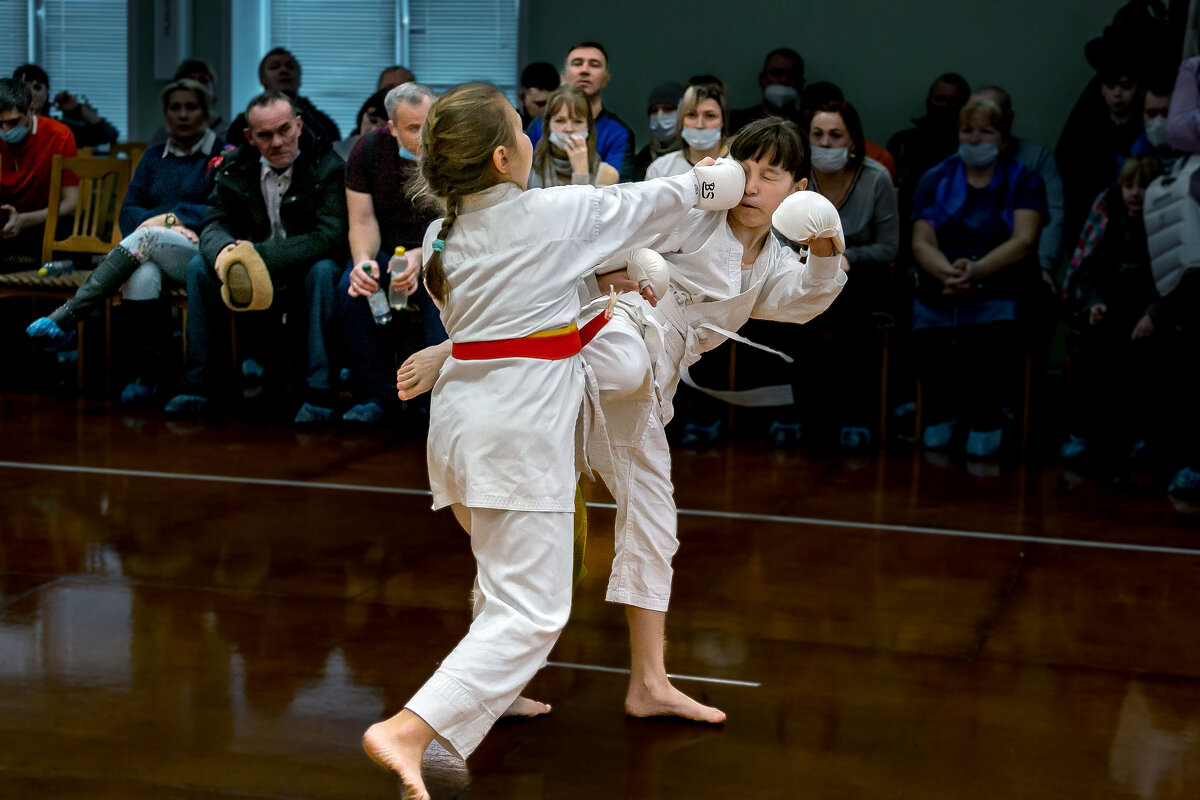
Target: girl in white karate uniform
[(507, 414), (725, 267)]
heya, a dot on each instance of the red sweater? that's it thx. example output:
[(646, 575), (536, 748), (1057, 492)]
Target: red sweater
[(25, 167)]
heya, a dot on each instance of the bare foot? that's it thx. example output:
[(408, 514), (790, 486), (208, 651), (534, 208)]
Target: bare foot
[(399, 748), (664, 700), (524, 707)]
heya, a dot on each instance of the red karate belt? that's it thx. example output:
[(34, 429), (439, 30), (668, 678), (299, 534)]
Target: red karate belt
[(549, 345)]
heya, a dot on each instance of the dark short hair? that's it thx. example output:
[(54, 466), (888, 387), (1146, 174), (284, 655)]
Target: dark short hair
[(958, 81), (31, 72), (786, 52), (15, 94), (821, 92), (593, 45), (393, 68), (375, 101), (269, 98), (777, 141), (190, 66), (540, 75), (853, 122)]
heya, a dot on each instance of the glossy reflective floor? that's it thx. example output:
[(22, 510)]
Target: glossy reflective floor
[(219, 610)]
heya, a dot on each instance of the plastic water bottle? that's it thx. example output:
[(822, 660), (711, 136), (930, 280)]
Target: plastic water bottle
[(56, 269), (378, 301), (398, 300)]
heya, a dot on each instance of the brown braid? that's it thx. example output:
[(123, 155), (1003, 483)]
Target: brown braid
[(461, 132)]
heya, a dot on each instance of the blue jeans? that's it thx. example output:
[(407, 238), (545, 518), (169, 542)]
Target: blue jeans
[(208, 322), (371, 349)]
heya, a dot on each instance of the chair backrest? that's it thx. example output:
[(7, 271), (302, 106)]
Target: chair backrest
[(102, 186), (131, 150)]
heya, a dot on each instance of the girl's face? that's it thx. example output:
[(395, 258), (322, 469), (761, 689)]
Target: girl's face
[(564, 121), (1119, 95), (1133, 192), (767, 185), (828, 129), (978, 130), (371, 121), (185, 119), (706, 114)]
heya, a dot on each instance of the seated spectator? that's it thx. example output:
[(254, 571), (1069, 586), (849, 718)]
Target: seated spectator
[(382, 217), (87, 126), (822, 92), (1040, 159), (1099, 133), (932, 139), (568, 155), (275, 231), (279, 71), (538, 80), (391, 77), (1183, 120), (975, 232), (199, 71), (587, 69), (703, 123), (370, 118), (1116, 371), (781, 81), (661, 107), (28, 144), (163, 209), (1156, 108)]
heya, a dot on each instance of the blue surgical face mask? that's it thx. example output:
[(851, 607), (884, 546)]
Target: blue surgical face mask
[(780, 95), (979, 155), (16, 135), (829, 159), (559, 138), (408, 154), (702, 138), (662, 126)]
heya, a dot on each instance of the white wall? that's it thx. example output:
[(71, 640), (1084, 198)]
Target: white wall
[(883, 53)]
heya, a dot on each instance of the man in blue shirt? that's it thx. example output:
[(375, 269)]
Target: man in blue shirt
[(587, 69)]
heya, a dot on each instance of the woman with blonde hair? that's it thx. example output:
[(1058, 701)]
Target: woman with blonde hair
[(568, 155), (703, 130)]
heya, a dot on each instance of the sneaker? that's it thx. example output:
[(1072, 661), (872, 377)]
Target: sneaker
[(783, 435), (855, 438), (1185, 482), (938, 437), (185, 405), (364, 414), (985, 444), (1073, 448), (700, 435), (252, 370), (313, 415), (138, 393), (46, 333)]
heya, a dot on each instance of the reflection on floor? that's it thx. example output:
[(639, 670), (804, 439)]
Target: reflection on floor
[(166, 636)]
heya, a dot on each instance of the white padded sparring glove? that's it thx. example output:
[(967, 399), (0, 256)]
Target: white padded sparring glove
[(648, 268), (721, 185), (804, 216)]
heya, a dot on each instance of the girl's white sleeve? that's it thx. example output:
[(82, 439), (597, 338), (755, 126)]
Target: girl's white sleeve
[(649, 214), (795, 292)]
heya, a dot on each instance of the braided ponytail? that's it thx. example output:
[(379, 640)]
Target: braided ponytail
[(461, 132)]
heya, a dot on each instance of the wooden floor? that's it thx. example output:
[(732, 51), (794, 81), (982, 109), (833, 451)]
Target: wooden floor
[(219, 610)]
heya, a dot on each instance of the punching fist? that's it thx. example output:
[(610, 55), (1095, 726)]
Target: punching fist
[(721, 185), (648, 268), (805, 216)]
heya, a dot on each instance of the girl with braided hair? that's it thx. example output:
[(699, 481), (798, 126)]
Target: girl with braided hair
[(514, 402)]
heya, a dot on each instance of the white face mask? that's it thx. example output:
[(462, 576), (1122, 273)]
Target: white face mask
[(780, 95), (662, 126), (702, 138), (1156, 131), (559, 138), (829, 159)]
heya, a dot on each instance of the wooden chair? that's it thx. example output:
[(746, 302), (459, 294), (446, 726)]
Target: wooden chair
[(94, 230), (130, 150)]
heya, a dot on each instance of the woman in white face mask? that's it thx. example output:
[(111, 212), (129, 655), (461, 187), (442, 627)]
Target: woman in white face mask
[(703, 128), (568, 155), (977, 217), (843, 338)]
